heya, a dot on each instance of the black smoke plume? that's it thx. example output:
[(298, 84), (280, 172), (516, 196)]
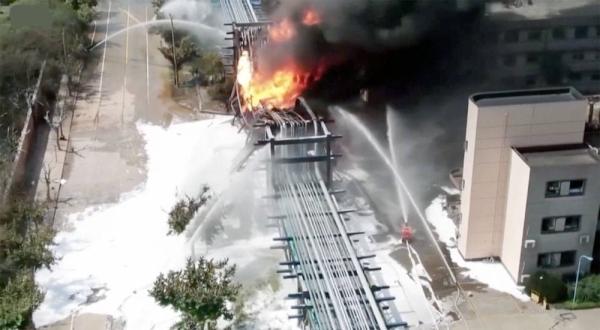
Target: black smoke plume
[(373, 42)]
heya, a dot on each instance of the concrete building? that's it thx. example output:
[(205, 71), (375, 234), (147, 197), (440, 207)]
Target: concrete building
[(521, 149), (543, 43)]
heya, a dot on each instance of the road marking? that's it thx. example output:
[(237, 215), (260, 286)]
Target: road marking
[(126, 61), (97, 117), (147, 68), (129, 15)]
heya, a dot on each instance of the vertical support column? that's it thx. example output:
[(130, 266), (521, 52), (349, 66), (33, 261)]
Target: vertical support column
[(236, 46), (328, 163), (270, 165)]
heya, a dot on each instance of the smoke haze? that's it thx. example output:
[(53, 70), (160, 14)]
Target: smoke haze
[(378, 24), (366, 42)]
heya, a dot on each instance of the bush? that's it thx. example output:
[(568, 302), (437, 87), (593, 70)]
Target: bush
[(588, 289), (221, 91), (549, 286)]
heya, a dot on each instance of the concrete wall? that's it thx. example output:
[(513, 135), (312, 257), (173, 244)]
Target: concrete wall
[(539, 207), (486, 164), (18, 170), (516, 208)]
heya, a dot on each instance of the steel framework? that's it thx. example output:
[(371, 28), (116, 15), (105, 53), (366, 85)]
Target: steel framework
[(334, 287)]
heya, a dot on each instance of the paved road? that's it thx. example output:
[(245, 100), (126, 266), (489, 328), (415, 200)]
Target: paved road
[(127, 81)]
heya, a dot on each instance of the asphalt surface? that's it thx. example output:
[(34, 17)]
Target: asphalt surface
[(127, 81)]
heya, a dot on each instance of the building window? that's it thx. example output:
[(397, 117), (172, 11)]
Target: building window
[(565, 188), (558, 33), (509, 60), (552, 225), (532, 58), (556, 259), (581, 32), (511, 36), (575, 76), (595, 76), (578, 57)]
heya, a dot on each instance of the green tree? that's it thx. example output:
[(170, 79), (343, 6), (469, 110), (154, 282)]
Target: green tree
[(184, 51), (24, 247), (221, 91), (202, 292), (22, 52), (183, 212), (18, 299), (167, 35), (24, 240), (211, 65)]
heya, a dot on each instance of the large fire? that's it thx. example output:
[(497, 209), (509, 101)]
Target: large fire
[(279, 90), (282, 31), (283, 86)]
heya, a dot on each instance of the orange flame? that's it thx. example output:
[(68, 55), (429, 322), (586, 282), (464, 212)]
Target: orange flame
[(279, 90), (311, 17), (282, 31)]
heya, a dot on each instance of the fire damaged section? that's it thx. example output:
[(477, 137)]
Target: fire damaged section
[(332, 48)]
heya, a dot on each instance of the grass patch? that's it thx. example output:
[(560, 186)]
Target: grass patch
[(578, 305)]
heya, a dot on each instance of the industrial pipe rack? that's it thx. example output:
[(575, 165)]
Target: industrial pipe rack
[(334, 288)]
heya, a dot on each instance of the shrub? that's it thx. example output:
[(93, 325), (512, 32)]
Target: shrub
[(549, 286), (221, 91), (588, 289)]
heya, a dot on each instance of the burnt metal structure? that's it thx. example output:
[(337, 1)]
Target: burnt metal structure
[(246, 37)]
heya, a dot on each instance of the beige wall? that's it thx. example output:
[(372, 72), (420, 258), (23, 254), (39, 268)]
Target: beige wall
[(516, 208), (486, 162), (467, 177)]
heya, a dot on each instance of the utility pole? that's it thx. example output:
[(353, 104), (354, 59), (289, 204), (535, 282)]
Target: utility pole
[(64, 45), (173, 49)]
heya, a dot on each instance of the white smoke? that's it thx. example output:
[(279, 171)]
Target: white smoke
[(202, 14), (188, 10)]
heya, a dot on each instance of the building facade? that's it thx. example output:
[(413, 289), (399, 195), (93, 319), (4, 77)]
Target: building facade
[(547, 43), (498, 126), (552, 209)]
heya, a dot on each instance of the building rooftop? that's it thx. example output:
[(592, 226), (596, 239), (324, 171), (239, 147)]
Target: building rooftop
[(561, 155), (543, 9), (531, 96)]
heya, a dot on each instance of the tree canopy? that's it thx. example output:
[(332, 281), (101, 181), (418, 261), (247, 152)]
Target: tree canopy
[(24, 247), (203, 292), (183, 212), (19, 297), (23, 50)]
